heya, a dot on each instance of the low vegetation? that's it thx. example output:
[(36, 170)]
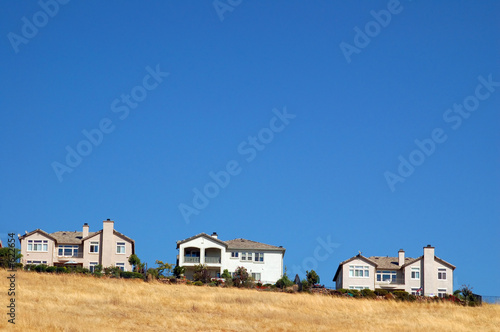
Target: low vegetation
[(79, 302)]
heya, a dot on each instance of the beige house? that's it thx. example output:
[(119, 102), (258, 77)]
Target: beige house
[(263, 262), (106, 247), (426, 275)]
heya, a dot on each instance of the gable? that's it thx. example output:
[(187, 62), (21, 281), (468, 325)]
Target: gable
[(200, 239), (38, 234)]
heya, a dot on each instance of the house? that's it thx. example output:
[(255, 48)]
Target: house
[(106, 247), (426, 275), (263, 262)]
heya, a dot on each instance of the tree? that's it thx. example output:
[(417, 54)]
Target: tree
[(240, 276), (284, 281), (135, 262), (5, 256), (202, 274), (163, 268), (179, 270), (312, 277)]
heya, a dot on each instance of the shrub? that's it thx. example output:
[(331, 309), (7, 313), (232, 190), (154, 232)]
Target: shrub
[(412, 298), (41, 268), (401, 295), (284, 282), (381, 292), (240, 276), (312, 277), (188, 282), (130, 275), (202, 274), (179, 270), (368, 293), (62, 269), (29, 267), (51, 269), (198, 283), (153, 272)]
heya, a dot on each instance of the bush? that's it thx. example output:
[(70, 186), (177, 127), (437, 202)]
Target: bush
[(381, 292), (62, 269), (51, 269), (198, 283), (130, 275), (240, 277), (188, 282), (401, 295), (153, 272), (29, 267), (202, 274), (312, 277), (179, 270), (368, 293), (41, 268), (284, 282)]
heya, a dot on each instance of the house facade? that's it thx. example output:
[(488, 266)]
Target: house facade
[(263, 262), (106, 247), (426, 275)]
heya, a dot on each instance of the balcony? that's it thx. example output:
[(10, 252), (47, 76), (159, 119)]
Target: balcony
[(390, 282), (192, 260), (212, 260)]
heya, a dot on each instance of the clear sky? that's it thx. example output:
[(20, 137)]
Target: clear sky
[(330, 129)]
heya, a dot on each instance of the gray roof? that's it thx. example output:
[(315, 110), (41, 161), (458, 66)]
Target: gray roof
[(236, 243), (389, 263), (248, 244), (69, 237)]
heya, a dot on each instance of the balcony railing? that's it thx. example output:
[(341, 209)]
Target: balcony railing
[(393, 281), (191, 259), (213, 260)]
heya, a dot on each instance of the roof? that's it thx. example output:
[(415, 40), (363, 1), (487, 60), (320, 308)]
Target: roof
[(390, 263), (38, 230), (248, 244), (235, 244), (69, 237)]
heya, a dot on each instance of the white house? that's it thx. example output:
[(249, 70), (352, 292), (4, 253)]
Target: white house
[(263, 262), (106, 247), (426, 275)]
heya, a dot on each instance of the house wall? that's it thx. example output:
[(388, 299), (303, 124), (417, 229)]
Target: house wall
[(201, 243), (413, 283), (271, 269), (36, 255), (443, 284), (107, 255), (358, 281)]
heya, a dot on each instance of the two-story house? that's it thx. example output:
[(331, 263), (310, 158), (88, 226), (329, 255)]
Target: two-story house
[(106, 247), (426, 275), (263, 262)]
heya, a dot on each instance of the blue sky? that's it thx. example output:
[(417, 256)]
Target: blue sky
[(318, 176)]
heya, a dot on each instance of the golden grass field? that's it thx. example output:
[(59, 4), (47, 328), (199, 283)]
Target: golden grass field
[(82, 303)]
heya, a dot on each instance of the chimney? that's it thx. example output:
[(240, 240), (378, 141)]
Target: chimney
[(214, 235), (430, 286), (85, 232), (401, 257), (107, 245)]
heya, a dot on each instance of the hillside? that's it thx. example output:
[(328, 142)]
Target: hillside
[(80, 303)]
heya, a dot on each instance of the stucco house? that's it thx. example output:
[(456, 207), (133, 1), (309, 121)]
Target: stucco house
[(263, 262), (106, 247), (426, 275)]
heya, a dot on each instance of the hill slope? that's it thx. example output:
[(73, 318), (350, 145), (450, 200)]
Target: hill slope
[(79, 303)]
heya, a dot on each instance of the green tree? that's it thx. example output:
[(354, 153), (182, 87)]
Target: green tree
[(135, 262), (240, 276), (164, 269), (179, 270), (312, 277), (284, 281), (5, 256)]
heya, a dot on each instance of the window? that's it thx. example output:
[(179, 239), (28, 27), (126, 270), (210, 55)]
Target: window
[(389, 276), (94, 247), (246, 256), (120, 247), (359, 271), (442, 274), (415, 273), (92, 267), (359, 287), (38, 245), (441, 292), (121, 266), (256, 276), (234, 254), (67, 251), (259, 256)]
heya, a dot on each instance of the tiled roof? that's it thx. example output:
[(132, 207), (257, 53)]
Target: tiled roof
[(390, 263), (247, 244), (69, 237)]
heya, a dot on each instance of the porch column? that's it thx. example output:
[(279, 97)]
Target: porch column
[(202, 256)]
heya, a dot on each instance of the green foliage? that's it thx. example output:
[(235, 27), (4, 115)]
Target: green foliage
[(135, 262), (130, 275), (179, 270), (225, 274), (41, 268), (5, 256), (468, 296), (153, 272), (312, 277), (98, 269), (62, 269), (164, 269), (368, 293), (198, 283), (381, 292), (112, 271), (51, 269), (284, 282), (202, 274), (401, 295)]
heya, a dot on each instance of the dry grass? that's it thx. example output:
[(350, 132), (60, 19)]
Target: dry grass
[(80, 303)]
